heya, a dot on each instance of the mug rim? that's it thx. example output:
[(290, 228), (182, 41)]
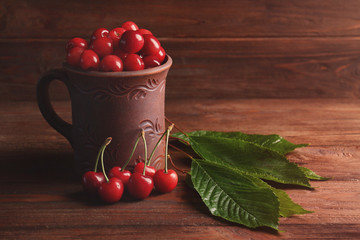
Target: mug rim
[(148, 71)]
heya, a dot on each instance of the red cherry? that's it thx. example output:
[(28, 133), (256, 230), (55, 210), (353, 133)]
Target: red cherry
[(143, 31), (115, 35), (102, 46), (112, 190), (149, 170), (160, 55), (89, 60), (121, 54), (129, 25), (140, 186), (124, 176), (151, 45), (131, 41), (133, 62), (73, 56), (99, 33), (76, 42), (111, 63), (91, 181), (165, 182), (151, 61)]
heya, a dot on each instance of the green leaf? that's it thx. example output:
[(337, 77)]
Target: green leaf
[(249, 158), (312, 175), (231, 170), (287, 206), (234, 196), (273, 141)]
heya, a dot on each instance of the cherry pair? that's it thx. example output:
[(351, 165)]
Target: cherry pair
[(125, 48), (145, 177), (139, 184), (109, 190)]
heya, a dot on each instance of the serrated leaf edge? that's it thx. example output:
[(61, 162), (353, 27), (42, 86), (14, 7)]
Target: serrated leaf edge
[(273, 178), (196, 188), (315, 177), (277, 135), (319, 178)]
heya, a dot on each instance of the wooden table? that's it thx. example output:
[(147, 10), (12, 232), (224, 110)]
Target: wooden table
[(41, 197)]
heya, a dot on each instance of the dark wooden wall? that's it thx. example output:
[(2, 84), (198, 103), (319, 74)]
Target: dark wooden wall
[(221, 49)]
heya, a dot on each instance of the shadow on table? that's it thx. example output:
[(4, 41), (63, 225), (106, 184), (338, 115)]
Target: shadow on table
[(34, 166)]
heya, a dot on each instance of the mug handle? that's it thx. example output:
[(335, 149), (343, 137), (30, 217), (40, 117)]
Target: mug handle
[(46, 109)]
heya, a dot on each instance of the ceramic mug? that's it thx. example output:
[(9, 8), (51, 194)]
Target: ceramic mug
[(110, 104)]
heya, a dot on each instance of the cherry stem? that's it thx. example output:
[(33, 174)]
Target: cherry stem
[(97, 158), (167, 146), (176, 127), (107, 141), (158, 143), (145, 149), (172, 163), (156, 146), (132, 153)]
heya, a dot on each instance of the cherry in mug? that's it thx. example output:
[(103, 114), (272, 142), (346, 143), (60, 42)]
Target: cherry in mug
[(125, 48)]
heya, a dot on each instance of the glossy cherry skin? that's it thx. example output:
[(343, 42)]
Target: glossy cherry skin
[(76, 42), (151, 61), (160, 55), (111, 191), (111, 63), (133, 62), (149, 170), (73, 56), (115, 35), (140, 186), (99, 33), (165, 182), (129, 25), (151, 45), (120, 53), (89, 60), (102, 46), (143, 31), (91, 181), (124, 176), (131, 42)]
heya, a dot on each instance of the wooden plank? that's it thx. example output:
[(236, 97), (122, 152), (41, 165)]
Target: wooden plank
[(247, 68), (337, 118), (147, 232), (41, 198), (240, 68), (230, 18)]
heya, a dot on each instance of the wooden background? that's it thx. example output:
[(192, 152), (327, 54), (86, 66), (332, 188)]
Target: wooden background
[(258, 66), (246, 48)]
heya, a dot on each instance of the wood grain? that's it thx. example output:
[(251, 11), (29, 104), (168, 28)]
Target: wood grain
[(229, 18), (212, 68), (40, 195), (301, 57), (229, 49)]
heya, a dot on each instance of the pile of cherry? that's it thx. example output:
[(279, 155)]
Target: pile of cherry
[(125, 48), (139, 184)]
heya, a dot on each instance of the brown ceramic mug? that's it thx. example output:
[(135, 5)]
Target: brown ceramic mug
[(110, 104)]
